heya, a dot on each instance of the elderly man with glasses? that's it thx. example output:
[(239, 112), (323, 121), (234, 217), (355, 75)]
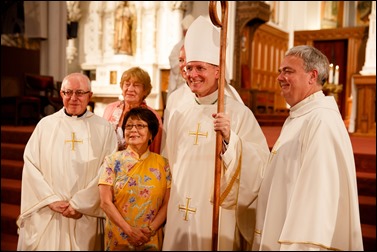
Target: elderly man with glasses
[(60, 198)]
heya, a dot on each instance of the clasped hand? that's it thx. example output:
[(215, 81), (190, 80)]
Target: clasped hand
[(65, 209), (138, 236)]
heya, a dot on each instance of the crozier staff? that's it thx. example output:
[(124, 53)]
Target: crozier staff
[(220, 108)]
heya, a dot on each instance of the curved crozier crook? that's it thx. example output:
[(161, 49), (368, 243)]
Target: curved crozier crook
[(213, 12)]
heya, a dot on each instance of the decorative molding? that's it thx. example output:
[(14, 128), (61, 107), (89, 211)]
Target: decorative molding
[(73, 11), (73, 17), (301, 37), (369, 67), (71, 50), (181, 5)]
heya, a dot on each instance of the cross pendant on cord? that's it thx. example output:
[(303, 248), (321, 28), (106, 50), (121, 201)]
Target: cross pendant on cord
[(187, 209), (73, 141), (197, 134)]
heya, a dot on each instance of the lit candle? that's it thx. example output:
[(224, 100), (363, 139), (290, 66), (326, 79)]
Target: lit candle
[(336, 77), (331, 74)]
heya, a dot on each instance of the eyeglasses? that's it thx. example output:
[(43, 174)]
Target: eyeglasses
[(78, 93), (138, 126)]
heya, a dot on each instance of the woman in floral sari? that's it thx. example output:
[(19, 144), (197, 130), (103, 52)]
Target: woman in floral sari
[(135, 187)]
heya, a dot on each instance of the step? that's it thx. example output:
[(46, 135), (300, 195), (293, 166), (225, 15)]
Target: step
[(367, 208), (10, 191), (16, 134), (369, 237), (11, 169), (366, 183), (268, 119), (12, 151), (9, 242), (9, 215)]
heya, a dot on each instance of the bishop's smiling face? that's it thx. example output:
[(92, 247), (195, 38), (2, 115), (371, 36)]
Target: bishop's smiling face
[(202, 77)]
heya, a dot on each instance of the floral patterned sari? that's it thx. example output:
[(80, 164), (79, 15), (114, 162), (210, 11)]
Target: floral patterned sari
[(139, 186)]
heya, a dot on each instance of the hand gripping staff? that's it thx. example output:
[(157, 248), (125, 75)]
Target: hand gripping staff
[(220, 108)]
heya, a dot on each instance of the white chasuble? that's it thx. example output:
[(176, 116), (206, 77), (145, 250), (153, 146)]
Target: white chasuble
[(61, 162), (308, 198), (190, 148)]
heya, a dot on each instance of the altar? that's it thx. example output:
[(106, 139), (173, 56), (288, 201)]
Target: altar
[(114, 36)]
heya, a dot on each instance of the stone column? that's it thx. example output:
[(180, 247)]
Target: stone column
[(369, 67), (73, 16), (53, 49)]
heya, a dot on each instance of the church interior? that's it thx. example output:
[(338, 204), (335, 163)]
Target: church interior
[(42, 41)]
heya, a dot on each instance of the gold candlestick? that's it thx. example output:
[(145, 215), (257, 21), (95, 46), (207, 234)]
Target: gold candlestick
[(332, 89)]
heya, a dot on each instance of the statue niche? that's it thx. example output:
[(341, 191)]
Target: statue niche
[(123, 27)]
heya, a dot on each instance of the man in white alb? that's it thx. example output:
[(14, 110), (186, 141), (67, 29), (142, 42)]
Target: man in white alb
[(308, 197), (60, 197)]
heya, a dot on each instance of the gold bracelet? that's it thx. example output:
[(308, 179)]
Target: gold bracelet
[(153, 232)]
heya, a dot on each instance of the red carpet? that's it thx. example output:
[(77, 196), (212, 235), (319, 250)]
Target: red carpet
[(361, 145)]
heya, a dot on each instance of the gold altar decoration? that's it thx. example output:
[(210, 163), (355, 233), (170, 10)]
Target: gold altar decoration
[(333, 90)]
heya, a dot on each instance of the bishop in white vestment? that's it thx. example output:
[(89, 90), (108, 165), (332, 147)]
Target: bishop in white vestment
[(190, 149)]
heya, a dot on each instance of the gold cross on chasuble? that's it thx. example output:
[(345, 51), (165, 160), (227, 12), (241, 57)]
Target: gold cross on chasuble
[(187, 209), (274, 151), (73, 141), (197, 134)]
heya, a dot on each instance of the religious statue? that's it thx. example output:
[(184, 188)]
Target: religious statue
[(124, 18)]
